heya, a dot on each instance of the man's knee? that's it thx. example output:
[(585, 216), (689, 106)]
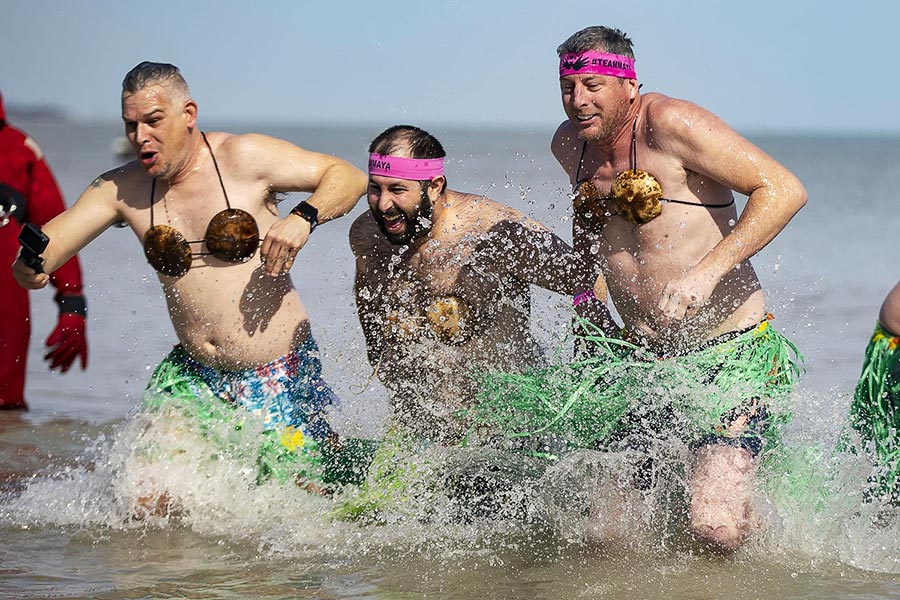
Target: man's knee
[(721, 510)]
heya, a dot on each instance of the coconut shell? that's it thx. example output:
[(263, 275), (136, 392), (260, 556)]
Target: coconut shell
[(232, 235), (167, 251), (637, 195), (451, 319), (402, 324), (588, 204)]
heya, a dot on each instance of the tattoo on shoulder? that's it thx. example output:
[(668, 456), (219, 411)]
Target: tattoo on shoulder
[(99, 181)]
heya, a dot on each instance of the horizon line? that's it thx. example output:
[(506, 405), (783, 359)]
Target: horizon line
[(52, 116)]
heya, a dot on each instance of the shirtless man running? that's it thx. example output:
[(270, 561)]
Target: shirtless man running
[(654, 179), (443, 283), (244, 334)]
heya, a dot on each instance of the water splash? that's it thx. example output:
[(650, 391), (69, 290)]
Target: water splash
[(485, 506)]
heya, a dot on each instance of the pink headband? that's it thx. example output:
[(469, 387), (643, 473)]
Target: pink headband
[(416, 169), (597, 63)]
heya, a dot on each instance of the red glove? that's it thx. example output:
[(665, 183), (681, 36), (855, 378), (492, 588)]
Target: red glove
[(67, 341)]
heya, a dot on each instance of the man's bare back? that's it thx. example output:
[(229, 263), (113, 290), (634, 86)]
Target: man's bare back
[(889, 315)]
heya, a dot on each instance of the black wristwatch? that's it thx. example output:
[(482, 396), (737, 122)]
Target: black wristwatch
[(307, 211)]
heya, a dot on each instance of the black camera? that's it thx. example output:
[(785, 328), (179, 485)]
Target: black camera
[(33, 242), (12, 204)]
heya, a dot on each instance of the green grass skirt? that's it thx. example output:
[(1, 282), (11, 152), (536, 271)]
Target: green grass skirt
[(589, 402), (875, 412), (411, 478)]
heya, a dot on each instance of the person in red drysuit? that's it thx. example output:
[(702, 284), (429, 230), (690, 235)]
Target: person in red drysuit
[(29, 194)]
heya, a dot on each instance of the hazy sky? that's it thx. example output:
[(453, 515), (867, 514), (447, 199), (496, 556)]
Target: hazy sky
[(761, 65)]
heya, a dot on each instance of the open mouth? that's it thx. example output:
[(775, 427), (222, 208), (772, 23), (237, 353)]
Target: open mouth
[(148, 158), (394, 223)]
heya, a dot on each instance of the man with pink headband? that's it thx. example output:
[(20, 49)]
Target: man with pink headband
[(443, 283), (443, 293), (653, 181)]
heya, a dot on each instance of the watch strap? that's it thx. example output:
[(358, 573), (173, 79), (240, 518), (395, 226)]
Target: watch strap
[(307, 211)]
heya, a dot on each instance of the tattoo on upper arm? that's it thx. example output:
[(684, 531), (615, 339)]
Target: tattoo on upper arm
[(99, 181)]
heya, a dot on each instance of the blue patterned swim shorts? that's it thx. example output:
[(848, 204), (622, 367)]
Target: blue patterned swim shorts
[(288, 391), (290, 399)]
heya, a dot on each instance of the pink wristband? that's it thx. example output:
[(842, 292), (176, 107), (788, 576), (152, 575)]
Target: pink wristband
[(583, 297)]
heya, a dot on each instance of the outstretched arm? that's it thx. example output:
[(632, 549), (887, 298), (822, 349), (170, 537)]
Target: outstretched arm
[(70, 231)]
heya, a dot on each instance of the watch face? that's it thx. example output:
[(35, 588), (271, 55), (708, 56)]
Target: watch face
[(308, 212)]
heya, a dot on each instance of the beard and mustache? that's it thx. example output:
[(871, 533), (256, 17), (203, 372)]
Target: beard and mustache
[(418, 221)]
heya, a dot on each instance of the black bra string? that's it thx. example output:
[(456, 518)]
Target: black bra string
[(218, 173), (634, 144), (152, 193)]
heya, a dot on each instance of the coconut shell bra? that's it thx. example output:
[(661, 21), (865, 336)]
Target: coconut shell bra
[(448, 318), (231, 236), (635, 195)]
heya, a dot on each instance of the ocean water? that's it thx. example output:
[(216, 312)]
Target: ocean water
[(65, 535)]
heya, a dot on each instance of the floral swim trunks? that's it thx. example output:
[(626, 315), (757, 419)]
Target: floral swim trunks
[(286, 398), (287, 392)]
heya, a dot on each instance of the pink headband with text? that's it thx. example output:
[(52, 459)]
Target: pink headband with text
[(416, 169), (596, 63)]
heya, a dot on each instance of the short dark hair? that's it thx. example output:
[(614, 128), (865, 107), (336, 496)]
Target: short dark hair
[(408, 140), (153, 73), (598, 37)]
